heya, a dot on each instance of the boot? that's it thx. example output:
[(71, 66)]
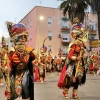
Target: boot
[(75, 96), (65, 93), (41, 79), (1, 81)]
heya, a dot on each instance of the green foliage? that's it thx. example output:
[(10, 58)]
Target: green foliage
[(65, 19), (75, 8)]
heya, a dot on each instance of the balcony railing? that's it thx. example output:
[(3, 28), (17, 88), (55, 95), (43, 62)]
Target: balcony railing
[(93, 32), (65, 28), (65, 40)]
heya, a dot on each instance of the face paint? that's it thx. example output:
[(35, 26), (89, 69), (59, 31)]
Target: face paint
[(22, 39)]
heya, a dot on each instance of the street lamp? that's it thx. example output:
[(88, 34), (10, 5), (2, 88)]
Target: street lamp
[(40, 19), (50, 38)]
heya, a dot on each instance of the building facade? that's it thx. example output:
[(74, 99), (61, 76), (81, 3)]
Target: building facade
[(42, 22)]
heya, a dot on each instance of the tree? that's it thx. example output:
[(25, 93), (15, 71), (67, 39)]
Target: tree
[(75, 8)]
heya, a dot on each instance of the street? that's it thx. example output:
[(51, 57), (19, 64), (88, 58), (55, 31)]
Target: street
[(49, 90)]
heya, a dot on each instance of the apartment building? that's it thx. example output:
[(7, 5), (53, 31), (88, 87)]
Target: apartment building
[(42, 22)]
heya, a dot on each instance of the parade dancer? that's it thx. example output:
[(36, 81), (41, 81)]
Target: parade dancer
[(59, 63), (19, 79), (42, 65), (3, 58), (55, 64), (73, 73), (49, 61), (94, 62), (36, 70)]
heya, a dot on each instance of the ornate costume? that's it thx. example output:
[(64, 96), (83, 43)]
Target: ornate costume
[(94, 62), (36, 70), (55, 64), (3, 58), (59, 63), (73, 73), (20, 74), (42, 65), (49, 62)]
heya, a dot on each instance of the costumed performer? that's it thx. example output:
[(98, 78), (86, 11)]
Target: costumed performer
[(42, 67), (36, 70), (49, 61), (3, 58), (94, 62), (73, 73), (19, 69)]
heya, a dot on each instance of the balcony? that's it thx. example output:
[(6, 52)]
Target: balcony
[(65, 28), (65, 19), (94, 32), (65, 40), (64, 55), (94, 43)]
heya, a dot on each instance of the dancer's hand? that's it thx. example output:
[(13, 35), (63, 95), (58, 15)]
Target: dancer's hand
[(74, 79), (7, 69), (78, 58)]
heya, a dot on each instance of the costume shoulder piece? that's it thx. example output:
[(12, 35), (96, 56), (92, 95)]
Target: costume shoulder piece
[(73, 43), (29, 49), (11, 49), (32, 51)]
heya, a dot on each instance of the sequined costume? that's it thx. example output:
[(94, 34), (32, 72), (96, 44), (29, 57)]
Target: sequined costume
[(49, 62), (59, 63), (36, 70), (94, 62), (3, 59), (73, 73), (55, 63), (20, 77), (42, 65)]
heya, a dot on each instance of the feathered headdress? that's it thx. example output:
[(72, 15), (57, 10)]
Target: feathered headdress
[(77, 28), (3, 41), (16, 30), (43, 49), (49, 51)]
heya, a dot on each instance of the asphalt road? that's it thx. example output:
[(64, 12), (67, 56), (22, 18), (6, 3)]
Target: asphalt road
[(49, 90)]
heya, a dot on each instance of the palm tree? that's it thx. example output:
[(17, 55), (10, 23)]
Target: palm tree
[(95, 5), (75, 8)]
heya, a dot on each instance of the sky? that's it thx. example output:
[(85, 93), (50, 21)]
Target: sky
[(15, 10)]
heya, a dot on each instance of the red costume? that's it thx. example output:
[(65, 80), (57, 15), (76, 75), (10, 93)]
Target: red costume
[(19, 72), (36, 70), (73, 73), (94, 62), (42, 65), (49, 62), (59, 63)]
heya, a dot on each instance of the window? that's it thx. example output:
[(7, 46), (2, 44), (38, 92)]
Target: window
[(92, 26), (49, 47), (49, 33), (92, 37), (65, 37), (49, 20), (65, 24), (64, 49)]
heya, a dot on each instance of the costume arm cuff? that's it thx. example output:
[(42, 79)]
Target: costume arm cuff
[(74, 58), (34, 52)]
